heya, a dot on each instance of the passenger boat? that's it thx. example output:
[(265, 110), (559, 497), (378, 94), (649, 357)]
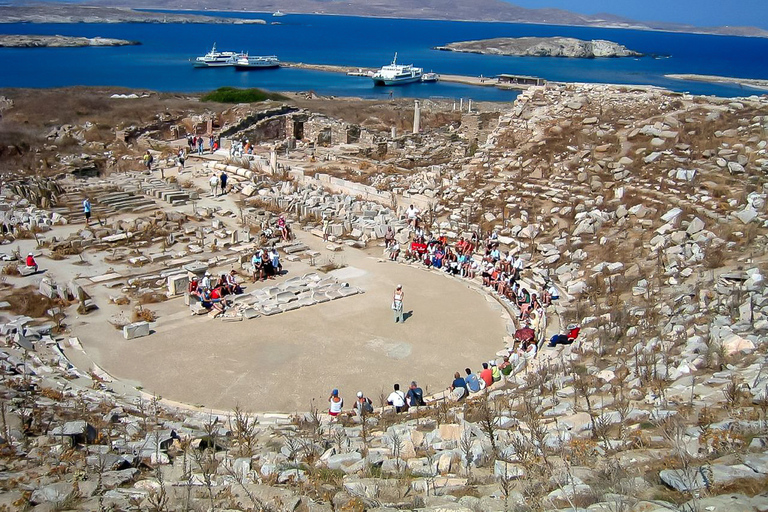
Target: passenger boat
[(216, 59), (397, 74), (246, 62), (278, 13), (430, 77)]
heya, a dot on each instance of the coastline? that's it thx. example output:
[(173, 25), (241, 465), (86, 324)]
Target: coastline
[(643, 28), (753, 83)]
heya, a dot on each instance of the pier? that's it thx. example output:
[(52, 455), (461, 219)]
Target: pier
[(503, 81)]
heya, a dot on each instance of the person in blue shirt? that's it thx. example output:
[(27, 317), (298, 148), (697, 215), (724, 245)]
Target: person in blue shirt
[(473, 383), (415, 395), (459, 387)]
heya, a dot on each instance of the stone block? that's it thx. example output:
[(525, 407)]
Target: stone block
[(48, 288), (136, 330), (178, 284), (27, 271)]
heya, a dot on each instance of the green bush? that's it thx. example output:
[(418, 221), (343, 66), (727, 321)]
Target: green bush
[(234, 95)]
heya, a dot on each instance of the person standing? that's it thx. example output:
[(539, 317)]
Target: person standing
[(87, 211), (182, 157), (199, 145), (214, 183), (148, 159), (223, 178), (326, 227), (210, 143), (336, 403), (397, 303)]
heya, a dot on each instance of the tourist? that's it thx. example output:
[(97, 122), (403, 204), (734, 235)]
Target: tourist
[(495, 373), (567, 338), (214, 183), (205, 284), (148, 159), (394, 251), (458, 387), (525, 333), (336, 403), (397, 399), (274, 259), (487, 375), (473, 383), (194, 288), (415, 395), (257, 264), (505, 367), (87, 211), (223, 179), (397, 303), (389, 236), (232, 286), (211, 143), (326, 227), (181, 158), (190, 142), (282, 224), (412, 214), (31, 263), (362, 405), (199, 145)]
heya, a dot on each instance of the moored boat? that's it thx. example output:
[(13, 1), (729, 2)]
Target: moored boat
[(246, 62), (397, 74), (216, 59), (430, 77)]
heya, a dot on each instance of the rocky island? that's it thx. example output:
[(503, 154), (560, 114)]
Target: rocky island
[(542, 47), (57, 13), (31, 41)]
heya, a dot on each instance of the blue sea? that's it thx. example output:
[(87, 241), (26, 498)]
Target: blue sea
[(162, 62)]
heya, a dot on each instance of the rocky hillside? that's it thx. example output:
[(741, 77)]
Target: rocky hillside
[(30, 41), (542, 47)]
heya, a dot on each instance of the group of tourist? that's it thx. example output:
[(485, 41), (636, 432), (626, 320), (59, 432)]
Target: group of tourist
[(400, 400), (240, 148), (265, 264), (196, 143)]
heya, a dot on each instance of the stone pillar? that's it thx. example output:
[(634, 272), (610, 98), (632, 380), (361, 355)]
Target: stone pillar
[(469, 105), (416, 117), (461, 104), (394, 132), (273, 161)]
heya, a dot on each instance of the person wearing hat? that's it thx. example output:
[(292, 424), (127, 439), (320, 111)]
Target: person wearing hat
[(397, 303), (205, 284), (194, 286), (31, 263), (336, 403), (362, 404)]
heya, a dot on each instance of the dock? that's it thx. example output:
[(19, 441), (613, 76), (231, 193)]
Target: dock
[(503, 81)]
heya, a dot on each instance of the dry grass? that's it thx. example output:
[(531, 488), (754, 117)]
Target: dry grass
[(141, 314), (12, 269), (28, 301)]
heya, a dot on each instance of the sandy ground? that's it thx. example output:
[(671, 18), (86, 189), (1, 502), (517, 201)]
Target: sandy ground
[(282, 363)]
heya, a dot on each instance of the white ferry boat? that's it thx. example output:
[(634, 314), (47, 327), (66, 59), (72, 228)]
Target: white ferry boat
[(277, 13), (247, 62), (215, 59), (396, 74)]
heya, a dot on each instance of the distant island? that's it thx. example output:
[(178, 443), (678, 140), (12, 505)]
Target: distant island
[(744, 82), (542, 47), (69, 13), (30, 41)]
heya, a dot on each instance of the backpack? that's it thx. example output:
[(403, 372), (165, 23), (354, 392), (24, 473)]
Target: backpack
[(367, 407)]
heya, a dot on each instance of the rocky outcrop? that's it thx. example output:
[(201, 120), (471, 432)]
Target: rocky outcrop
[(542, 47), (30, 41)]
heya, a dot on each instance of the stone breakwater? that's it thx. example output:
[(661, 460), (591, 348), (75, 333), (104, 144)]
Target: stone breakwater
[(542, 47), (33, 41)]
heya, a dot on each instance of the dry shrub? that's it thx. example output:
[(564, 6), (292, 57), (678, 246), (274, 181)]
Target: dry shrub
[(141, 314), (28, 301), (12, 269), (152, 298)]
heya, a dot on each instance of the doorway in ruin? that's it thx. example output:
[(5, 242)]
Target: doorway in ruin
[(298, 129)]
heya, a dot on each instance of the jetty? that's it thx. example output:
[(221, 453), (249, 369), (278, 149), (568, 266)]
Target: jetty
[(502, 81)]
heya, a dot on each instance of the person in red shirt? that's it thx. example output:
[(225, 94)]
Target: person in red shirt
[(487, 375), (31, 263)]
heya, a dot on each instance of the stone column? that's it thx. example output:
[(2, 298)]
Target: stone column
[(416, 117)]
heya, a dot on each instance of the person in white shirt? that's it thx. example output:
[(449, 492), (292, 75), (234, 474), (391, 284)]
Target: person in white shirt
[(518, 266), (413, 215), (205, 284), (214, 183), (397, 399)]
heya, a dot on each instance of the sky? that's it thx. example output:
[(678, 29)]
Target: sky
[(694, 12)]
